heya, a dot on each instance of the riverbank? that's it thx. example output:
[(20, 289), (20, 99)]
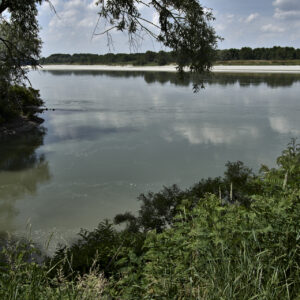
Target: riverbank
[(172, 68), (19, 125)]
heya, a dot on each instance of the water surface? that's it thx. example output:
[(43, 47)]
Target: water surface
[(114, 135)]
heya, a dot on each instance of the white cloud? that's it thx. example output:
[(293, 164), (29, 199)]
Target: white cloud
[(72, 28), (286, 9), (270, 28), (230, 18), (209, 134), (155, 18), (287, 5), (283, 125), (93, 6), (286, 15), (74, 4), (251, 17), (87, 22)]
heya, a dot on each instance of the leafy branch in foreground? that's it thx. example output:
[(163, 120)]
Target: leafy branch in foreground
[(183, 25), (20, 45)]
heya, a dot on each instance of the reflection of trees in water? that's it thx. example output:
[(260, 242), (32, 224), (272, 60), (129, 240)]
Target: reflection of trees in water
[(21, 170), (247, 79), (243, 79)]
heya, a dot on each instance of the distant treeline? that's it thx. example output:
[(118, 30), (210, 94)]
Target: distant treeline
[(247, 53), (163, 58), (156, 58)]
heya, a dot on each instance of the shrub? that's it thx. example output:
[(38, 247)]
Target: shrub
[(103, 247), (19, 100)]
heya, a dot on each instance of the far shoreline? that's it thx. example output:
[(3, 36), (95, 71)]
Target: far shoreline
[(172, 68)]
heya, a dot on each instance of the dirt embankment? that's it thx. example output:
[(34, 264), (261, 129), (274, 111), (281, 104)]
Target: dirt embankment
[(19, 125)]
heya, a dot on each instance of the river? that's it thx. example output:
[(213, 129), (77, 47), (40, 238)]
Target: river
[(114, 135)]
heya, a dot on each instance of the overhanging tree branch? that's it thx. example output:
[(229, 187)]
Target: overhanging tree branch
[(184, 26)]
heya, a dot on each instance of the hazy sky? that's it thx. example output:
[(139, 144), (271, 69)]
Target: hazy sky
[(254, 23)]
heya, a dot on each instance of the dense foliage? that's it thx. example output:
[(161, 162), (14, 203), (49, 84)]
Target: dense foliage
[(19, 46), (161, 58), (19, 41), (19, 101), (247, 53)]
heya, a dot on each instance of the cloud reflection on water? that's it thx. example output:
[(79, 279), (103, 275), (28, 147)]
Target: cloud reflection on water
[(114, 135)]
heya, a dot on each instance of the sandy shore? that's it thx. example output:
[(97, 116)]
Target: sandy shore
[(172, 68)]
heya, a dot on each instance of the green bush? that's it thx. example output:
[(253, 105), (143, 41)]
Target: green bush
[(105, 247), (19, 100), (220, 251), (26, 98), (9, 108)]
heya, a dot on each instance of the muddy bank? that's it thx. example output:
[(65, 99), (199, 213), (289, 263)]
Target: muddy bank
[(19, 125)]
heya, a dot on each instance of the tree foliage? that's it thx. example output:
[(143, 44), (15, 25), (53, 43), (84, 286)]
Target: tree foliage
[(19, 41), (184, 26), (138, 59), (19, 46), (247, 53)]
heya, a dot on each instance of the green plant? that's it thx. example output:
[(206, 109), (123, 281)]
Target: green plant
[(22, 276), (20, 100)]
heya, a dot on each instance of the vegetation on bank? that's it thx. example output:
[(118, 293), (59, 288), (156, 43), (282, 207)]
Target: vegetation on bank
[(246, 55), (19, 46), (19, 101), (22, 276), (231, 237)]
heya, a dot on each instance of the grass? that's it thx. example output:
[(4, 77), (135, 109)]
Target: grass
[(22, 277)]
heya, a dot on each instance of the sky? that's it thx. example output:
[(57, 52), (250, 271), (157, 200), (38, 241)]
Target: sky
[(253, 23)]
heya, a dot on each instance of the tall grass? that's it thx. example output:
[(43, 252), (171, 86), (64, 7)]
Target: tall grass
[(22, 277)]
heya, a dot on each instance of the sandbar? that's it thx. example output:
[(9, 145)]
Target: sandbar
[(172, 68)]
